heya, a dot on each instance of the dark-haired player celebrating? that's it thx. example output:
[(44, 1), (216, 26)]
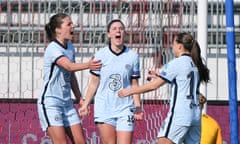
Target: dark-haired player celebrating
[(113, 115), (184, 73), (56, 111)]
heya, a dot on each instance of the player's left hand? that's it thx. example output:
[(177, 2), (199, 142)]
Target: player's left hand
[(138, 113), (84, 109), (138, 116)]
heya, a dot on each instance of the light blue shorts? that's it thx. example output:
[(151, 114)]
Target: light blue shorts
[(180, 133), (123, 123), (62, 115)]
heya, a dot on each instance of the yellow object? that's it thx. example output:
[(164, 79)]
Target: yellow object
[(210, 131)]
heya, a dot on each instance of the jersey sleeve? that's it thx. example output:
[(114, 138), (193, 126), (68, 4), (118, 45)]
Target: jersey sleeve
[(136, 68), (97, 56), (53, 52), (169, 71)]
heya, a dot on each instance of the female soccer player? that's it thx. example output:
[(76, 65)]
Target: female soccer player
[(55, 107), (184, 73), (113, 115)]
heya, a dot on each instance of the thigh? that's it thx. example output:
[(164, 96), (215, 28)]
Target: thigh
[(193, 135), (163, 140), (75, 132), (124, 137), (107, 133), (57, 134)]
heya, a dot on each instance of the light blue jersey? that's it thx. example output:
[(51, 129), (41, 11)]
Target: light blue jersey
[(56, 79), (184, 112), (55, 106), (116, 73)]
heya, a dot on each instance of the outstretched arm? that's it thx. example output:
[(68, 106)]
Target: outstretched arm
[(72, 66), (152, 85), (75, 87)]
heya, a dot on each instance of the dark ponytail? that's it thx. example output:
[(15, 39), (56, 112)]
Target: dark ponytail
[(50, 32), (54, 22), (191, 45), (197, 59)]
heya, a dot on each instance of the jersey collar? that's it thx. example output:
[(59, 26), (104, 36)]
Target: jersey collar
[(63, 46), (117, 54), (185, 54)]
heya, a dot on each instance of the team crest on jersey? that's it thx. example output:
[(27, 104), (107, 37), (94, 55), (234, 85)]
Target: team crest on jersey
[(127, 66), (163, 73), (57, 118), (165, 68)]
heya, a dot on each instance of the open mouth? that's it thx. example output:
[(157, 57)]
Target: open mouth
[(71, 32), (118, 36)]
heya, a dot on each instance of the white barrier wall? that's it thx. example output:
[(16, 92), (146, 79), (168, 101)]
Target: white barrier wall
[(28, 82)]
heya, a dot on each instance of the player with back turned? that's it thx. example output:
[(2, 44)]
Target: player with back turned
[(184, 73)]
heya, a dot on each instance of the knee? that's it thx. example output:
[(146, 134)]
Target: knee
[(164, 140)]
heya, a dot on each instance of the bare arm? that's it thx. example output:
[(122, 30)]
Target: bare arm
[(152, 85), (72, 66), (136, 97), (75, 87), (92, 88), (137, 102)]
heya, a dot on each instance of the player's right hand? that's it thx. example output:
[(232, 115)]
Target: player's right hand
[(138, 116), (138, 113), (152, 75), (94, 64)]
